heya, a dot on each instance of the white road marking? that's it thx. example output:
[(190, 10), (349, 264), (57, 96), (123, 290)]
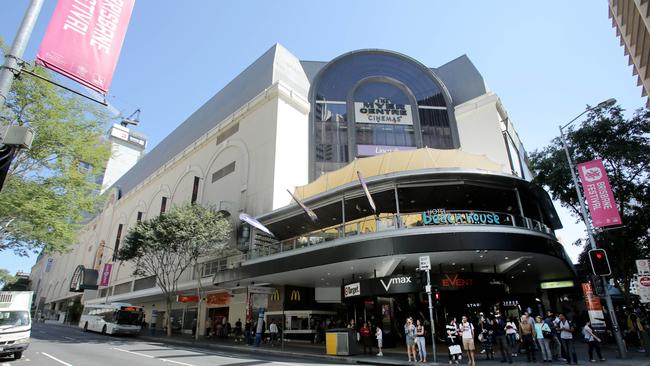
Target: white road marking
[(5, 364), (135, 353), (69, 338), (283, 363), (177, 362), (149, 356), (56, 359)]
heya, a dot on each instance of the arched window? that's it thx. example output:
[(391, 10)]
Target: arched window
[(369, 102)]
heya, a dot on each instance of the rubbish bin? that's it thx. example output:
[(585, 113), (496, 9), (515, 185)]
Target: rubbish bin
[(341, 342)]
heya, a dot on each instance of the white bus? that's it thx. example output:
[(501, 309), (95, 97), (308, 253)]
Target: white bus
[(115, 318)]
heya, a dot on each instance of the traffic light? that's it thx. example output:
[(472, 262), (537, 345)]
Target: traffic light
[(436, 294), (599, 262)]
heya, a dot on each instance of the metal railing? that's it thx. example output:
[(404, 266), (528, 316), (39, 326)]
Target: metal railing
[(264, 246)]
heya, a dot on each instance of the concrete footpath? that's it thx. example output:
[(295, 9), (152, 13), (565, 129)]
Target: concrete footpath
[(392, 356)]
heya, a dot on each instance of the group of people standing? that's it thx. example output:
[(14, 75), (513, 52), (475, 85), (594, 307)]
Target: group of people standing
[(552, 336), (415, 340)]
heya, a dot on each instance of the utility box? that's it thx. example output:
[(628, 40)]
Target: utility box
[(341, 342), (19, 136)]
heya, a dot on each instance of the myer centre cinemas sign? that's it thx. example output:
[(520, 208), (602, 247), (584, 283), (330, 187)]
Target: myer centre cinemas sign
[(398, 284), (383, 111)]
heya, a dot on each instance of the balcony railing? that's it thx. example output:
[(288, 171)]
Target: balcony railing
[(265, 246)]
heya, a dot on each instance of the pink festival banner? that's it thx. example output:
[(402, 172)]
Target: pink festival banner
[(84, 39), (598, 193), (106, 274)]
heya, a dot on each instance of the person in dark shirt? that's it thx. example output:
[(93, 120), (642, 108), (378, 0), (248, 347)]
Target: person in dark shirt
[(500, 338)]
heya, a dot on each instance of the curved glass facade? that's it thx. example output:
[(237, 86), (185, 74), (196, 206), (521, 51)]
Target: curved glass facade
[(370, 102)]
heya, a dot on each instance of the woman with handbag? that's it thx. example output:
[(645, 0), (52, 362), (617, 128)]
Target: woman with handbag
[(543, 334), (593, 341), (453, 344), (512, 335)]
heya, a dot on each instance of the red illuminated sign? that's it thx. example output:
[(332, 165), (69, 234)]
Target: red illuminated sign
[(456, 281)]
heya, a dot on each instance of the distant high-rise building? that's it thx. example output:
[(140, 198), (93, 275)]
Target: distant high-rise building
[(127, 147), (631, 18)]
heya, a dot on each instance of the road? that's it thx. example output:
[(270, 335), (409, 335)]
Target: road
[(55, 345)]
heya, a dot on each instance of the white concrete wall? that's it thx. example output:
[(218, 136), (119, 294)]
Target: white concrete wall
[(479, 129)]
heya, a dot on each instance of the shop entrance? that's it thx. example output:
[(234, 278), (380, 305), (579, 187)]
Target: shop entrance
[(218, 319)]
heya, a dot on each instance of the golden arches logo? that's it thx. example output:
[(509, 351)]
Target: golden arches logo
[(295, 295), (276, 295)]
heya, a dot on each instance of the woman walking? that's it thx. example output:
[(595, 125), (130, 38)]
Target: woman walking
[(452, 340), (409, 335), (467, 330), (420, 340), (593, 341), (543, 338), (511, 335), (487, 334)]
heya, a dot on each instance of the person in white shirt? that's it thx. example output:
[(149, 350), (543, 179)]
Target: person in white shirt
[(467, 330), (565, 327), (593, 341), (273, 330), (511, 335), (380, 340)]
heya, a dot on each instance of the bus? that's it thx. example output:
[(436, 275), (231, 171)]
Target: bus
[(115, 318)]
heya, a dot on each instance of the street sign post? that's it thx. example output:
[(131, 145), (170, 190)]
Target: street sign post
[(425, 265)]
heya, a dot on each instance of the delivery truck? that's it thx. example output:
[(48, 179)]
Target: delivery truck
[(15, 322)]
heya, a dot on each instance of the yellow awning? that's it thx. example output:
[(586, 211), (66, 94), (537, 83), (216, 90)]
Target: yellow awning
[(398, 161)]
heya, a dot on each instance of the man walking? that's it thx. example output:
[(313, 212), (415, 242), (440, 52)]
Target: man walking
[(500, 338), (273, 330), (566, 329)]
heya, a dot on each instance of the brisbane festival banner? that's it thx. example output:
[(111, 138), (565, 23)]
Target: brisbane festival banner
[(84, 39), (598, 193), (106, 274)]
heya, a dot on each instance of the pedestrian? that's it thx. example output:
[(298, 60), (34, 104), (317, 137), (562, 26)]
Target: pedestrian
[(193, 325), (273, 331), (453, 342), (566, 329), (542, 335), (556, 347), (366, 338), (420, 340), (511, 336), (380, 340), (636, 330), (247, 332), (467, 330), (238, 330), (500, 338), (527, 337), (487, 336), (409, 336), (593, 341), (208, 327)]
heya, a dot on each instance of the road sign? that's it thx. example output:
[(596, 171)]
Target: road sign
[(644, 289), (642, 266), (425, 263)]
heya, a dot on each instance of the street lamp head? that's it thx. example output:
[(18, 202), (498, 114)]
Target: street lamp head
[(607, 103)]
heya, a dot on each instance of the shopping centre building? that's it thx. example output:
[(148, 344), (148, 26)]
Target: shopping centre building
[(444, 166)]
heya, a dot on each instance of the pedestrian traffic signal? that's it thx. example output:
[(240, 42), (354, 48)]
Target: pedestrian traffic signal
[(599, 262), (436, 295)]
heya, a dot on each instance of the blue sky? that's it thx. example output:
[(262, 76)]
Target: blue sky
[(546, 60)]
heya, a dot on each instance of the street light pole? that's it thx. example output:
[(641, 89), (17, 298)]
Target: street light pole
[(590, 234)]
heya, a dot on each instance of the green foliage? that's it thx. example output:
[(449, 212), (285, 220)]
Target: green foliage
[(6, 278), (46, 194), (166, 246), (624, 146)]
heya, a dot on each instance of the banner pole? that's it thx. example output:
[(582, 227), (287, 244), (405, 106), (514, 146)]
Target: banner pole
[(11, 67)]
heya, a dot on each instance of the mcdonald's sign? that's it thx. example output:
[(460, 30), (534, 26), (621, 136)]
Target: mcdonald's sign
[(295, 295), (276, 295)]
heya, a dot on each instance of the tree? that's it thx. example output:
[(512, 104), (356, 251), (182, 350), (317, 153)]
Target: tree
[(51, 186), (624, 146), (166, 246), (6, 278)]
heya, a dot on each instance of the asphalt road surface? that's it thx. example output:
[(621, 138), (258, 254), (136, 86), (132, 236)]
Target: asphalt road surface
[(55, 345)]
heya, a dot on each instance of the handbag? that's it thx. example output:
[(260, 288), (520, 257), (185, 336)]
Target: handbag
[(455, 349), (547, 334), (480, 337), (517, 336)]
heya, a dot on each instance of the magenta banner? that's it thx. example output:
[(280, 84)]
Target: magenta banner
[(598, 193), (84, 39), (106, 274)]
